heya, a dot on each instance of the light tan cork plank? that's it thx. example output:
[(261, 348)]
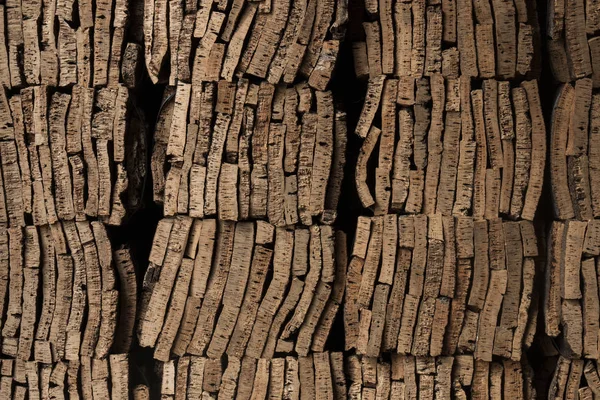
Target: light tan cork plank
[(236, 282), (525, 48), (480, 388), (449, 166), (15, 285), (433, 50), (577, 139), (175, 313), (407, 324), (466, 40), (371, 105), (481, 154), (448, 281), (591, 376), (538, 154), (351, 310), (579, 186), (523, 131), (401, 168), (371, 265), (380, 299), (575, 38), (489, 315), (403, 48), (434, 144), (590, 309), (571, 263), (553, 285), (323, 152), (574, 379), (480, 265), (593, 151), (514, 266), (307, 377), (363, 190)]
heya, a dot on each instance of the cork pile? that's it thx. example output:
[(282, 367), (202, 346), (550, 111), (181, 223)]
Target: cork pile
[(225, 126), (446, 262), (72, 161), (571, 287), (247, 271)]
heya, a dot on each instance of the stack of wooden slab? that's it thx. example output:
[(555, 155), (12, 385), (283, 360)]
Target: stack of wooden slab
[(575, 151), (246, 273), (567, 382), (458, 377), (247, 288), (106, 378), (67, 298), (72, 143), (451, 169), (573, 41), (69, 156), (442, 285), (276, 41), (250, 151), (459, 151), (320, 375), (572, 304), (64, 43)]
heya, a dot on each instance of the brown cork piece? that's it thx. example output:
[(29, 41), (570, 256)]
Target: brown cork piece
[(401, 169), (371, 264), (489, 315), (351, 310), (434, 144), (538, 153), (571, 263), (371, 105), (558, 160), (458, 306), (572, 324), (481, 266), (275, 292)]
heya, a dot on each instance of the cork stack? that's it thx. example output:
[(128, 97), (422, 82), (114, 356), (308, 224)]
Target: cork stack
[(571, 285), (247, 271), (72, 152), (446, 261)]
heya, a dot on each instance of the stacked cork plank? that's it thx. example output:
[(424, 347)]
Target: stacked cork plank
[(451, 168), (439, 285), (573, 40), (458, 377), (66, 303), (250, 151), (567, 381), (72, 145), (472, 139), (316, 376), (106, 378), (72, 160), (224, 299), (571, 286), (247, 272)]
